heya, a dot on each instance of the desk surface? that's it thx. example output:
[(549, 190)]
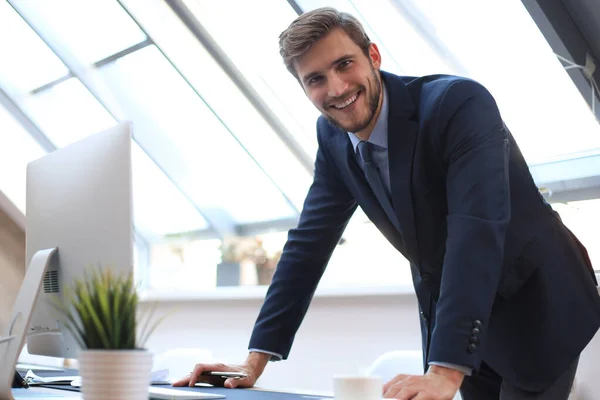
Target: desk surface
[(43, 393), (69, 392), (39, 393), (63, 391)]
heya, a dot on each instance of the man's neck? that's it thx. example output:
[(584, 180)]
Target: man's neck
[(365, 133)]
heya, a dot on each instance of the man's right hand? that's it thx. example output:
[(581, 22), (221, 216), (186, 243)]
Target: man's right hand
[(253, 367)]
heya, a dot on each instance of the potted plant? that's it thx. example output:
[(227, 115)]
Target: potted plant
[(265, 268), (229, 269), (100, 311), (239, 251)]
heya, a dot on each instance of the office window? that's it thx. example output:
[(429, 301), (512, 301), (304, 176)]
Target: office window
[(538, 100), (189, 266), (256, 55), (88, 30), (404, 49), (17, 148), (227, 100), (582, 217), (27, 63), (160, 209), (67, 112), (189, 142), (209, 162), (540, 104)]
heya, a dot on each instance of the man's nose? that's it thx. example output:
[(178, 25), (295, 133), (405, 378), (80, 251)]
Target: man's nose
[(337, 86)]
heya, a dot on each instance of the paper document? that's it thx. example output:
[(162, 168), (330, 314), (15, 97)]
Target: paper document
[(35, 380), (38, 367)]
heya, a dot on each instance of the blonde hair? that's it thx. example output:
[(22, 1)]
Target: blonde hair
[(311, 26)]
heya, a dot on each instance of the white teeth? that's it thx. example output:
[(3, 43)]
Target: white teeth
[(347, 102)]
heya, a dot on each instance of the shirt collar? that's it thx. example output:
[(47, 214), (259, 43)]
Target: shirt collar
[(379, 136)]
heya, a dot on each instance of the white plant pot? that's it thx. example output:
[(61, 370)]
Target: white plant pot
[(115, 374)]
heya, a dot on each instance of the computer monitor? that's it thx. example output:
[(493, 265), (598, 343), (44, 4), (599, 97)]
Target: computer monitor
[(79, 200)]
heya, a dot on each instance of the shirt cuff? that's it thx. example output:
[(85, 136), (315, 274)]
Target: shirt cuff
[(274, 356), (465, 370)]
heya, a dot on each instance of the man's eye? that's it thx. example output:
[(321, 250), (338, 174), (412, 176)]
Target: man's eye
[(314, 80), (345, 63)]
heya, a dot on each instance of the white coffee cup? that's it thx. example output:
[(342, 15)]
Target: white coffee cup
[(348, 387)]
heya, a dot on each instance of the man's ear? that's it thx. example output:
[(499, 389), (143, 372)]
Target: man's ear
[(375, 56)]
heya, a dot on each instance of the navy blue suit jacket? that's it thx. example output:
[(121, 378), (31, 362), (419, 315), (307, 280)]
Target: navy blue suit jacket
[(498, 276)]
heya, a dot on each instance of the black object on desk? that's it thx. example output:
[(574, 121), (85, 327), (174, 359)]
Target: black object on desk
[(19, 381)]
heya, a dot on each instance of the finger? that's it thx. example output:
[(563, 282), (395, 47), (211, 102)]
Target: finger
[(196, 374), (393, 381), (404, 390), (409, 393), (242, 382), (182, 382)]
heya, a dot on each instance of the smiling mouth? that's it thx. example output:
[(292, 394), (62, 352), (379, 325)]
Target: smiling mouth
[(341, 106)]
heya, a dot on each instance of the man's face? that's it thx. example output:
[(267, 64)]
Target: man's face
[(342, 82)]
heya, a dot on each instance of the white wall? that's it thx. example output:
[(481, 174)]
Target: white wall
[(339, 335), (12, 258)]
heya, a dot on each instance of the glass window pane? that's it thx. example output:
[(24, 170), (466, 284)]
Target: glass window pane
[(89, 30), (159, 207), (403, 50), (538, 100), (256, 55), (27, 63), (173, 264), (351, 265), (17, 149), (67, 112), (231, 105), (185, 138), (577, 216)]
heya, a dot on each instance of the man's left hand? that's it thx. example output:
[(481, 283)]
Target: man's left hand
[(439, 383)]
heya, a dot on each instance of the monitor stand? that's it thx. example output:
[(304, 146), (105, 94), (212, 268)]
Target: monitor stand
[(13, 338)]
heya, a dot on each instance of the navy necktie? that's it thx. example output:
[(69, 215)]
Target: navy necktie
[(374, 179)]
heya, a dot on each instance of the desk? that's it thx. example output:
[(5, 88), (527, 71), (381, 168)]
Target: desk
[(40, 393), (64, 391), (49, 393)]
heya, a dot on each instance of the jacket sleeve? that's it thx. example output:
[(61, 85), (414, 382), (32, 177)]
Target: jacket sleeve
[(326, 212), (474, 146)]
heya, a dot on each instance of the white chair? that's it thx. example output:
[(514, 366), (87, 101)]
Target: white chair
[(397, 362)]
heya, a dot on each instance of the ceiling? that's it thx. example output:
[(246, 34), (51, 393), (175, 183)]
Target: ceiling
[(586, 14), (572, 28)]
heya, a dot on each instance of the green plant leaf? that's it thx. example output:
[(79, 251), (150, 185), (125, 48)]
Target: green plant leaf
[(95, 322), (116, 308), (102, 305), (100, 310)]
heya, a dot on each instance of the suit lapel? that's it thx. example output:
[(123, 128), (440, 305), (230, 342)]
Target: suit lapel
[(402, 134)]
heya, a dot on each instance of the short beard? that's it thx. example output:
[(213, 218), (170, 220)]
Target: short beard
[(372, 103)]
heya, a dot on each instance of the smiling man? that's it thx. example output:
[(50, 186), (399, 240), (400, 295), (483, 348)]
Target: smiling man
[(506, 292)]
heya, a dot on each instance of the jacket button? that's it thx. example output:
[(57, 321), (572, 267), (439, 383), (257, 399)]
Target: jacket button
[(426, 277), (423, 315), (475, 331), (473, 340), (471, 348), (477, 323)]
